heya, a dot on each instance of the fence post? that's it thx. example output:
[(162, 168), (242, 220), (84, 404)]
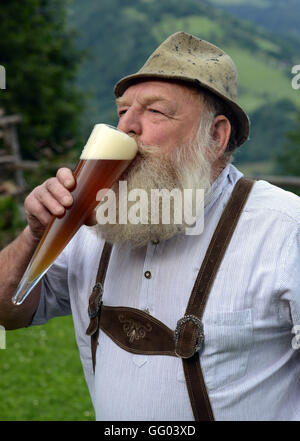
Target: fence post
[(10, 136)]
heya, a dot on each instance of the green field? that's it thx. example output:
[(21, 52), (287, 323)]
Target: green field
[(257, 3), (195, 24), (261, 80), (41, 375)]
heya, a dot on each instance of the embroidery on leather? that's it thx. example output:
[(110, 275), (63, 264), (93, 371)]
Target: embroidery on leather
[(134, 329)]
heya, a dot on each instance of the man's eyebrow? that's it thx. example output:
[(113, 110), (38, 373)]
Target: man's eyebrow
[(123, 101)]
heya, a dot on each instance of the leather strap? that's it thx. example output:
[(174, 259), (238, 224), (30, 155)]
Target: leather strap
[(138, 332), (192, 368), (95, 300)]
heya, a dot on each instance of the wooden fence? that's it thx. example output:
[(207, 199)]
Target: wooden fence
[(11, 161)]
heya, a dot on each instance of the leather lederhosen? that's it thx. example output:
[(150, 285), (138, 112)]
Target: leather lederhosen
[(140, 333)]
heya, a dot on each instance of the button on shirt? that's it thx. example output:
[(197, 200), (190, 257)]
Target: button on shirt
[(250, 365)]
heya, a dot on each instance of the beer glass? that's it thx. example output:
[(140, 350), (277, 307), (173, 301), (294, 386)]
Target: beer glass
[(105, 157)]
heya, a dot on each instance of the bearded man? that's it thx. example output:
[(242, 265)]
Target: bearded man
[(172, 326)]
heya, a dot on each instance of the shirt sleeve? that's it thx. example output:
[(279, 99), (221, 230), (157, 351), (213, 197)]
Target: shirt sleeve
[(55, 300)]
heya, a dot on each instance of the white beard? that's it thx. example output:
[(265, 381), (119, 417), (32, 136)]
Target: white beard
[(185, 168)]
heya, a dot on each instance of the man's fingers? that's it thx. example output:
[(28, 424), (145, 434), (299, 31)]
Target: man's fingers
[(50, 198), (58, 192), (66, 178), (47, 200), (36, 212)]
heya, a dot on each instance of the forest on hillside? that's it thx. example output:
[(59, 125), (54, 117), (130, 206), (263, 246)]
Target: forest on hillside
[(279, 17), (119, 35), (62, 59)]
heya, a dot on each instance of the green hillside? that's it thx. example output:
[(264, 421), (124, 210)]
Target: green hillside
[(279, 17), (120, 35)]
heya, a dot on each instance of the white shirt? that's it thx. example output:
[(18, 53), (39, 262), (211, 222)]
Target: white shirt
[(251, 369)]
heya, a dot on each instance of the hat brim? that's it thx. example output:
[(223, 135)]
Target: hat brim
[(243, 122)]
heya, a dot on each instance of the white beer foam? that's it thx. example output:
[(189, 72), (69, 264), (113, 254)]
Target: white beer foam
[(106, 142)]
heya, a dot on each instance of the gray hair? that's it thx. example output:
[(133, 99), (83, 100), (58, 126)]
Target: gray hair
[(217, 106)]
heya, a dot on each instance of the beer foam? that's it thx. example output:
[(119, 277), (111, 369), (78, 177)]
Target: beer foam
[(106, 142)]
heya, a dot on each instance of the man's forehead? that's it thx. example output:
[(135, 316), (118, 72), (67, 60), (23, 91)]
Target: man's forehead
[(156, 91)]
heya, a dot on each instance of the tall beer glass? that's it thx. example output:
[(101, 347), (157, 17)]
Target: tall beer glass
[(105, 157)]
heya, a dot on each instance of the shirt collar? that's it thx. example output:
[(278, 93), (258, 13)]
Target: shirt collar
[(224, 182), (226, 179)]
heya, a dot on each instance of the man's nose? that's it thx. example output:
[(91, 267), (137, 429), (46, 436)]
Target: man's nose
[(130, 122)]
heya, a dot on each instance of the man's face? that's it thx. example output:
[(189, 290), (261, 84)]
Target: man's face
[(160, 113), (172, 130)]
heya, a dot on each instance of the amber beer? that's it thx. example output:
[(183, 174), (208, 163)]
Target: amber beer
[(105, 157), (91, 175)]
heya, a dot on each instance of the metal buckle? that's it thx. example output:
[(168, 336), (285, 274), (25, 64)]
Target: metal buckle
[(97, 301), (200, 333)]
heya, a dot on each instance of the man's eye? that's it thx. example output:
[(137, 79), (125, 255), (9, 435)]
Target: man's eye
[(122, 112), (155, 111)]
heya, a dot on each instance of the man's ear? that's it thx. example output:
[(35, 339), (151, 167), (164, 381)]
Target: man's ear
[(221, 129)]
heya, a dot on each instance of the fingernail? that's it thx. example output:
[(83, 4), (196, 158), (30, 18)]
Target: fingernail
[(68, 183), (60, 209), (67, 200)]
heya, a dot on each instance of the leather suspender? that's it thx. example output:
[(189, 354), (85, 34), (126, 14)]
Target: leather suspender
[(211, 263), (95, 301), (139, 332)]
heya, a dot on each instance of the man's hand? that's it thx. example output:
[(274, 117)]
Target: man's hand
[(51, 199), (48, 199)]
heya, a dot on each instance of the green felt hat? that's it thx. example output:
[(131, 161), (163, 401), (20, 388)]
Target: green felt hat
[(187, 58)]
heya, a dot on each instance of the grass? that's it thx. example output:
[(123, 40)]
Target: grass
[(41, 377)]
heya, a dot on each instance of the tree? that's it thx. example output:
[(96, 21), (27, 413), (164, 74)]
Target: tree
[(37, 49)]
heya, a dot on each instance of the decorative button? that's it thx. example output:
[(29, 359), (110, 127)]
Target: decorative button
[(147, 274), (155, 242)]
